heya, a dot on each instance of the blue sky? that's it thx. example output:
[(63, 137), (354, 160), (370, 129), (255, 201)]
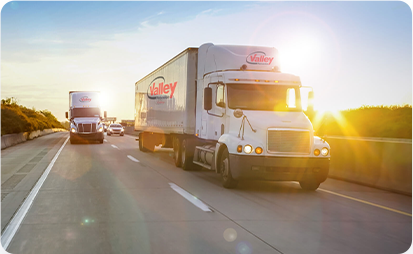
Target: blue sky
[(352, 53)]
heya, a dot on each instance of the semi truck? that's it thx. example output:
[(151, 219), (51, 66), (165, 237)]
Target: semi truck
[(86, 120), (231, 110)]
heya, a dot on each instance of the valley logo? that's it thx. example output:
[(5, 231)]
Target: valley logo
[(158, 89), (85, 99), (259, 57)]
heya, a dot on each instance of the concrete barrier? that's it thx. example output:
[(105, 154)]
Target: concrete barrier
[(14, 139), (378, 162)]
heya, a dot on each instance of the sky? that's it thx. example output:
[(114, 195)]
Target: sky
[(351, 53)]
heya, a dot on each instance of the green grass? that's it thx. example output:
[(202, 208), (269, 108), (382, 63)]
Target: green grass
[(366, 121), (16, 118)]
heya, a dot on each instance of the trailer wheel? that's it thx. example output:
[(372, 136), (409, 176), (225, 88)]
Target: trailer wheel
[(309, 185), (227, 180), (177, 151), (141, 146), (187, 155)]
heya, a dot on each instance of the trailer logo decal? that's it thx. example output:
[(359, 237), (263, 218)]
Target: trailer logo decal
[(159, 89), (85, 99), (259, 57)]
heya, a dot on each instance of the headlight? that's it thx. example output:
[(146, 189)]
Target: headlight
[(110, 129), (73, 130), (248, 149), (100, 129), (122, 130), (324, 151)]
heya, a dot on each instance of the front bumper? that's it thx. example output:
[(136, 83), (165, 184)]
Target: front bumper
[(86, 136), (278, 168), (115, 132)]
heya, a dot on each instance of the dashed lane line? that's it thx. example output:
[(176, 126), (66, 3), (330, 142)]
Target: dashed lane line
[(132, 158), (194, 200)]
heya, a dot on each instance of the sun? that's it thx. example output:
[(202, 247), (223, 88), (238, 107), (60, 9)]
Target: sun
[(299, 54)]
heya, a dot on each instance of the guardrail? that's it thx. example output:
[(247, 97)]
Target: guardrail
[(14, 139), (382, 163)]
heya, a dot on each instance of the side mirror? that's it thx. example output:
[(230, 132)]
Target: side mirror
[(67, 115), (208, 98), (310, 106), (105, 114), (238, 113)]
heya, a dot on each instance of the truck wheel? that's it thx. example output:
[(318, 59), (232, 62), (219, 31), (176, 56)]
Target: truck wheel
[(101, 141), (141, 147), (177, 152), (227, 180), (187, 155), (309, 185)]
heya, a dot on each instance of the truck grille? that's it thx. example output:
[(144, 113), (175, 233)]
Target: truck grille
[(86, 127), (288, 141)]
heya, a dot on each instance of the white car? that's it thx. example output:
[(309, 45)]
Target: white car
[(115, 128)]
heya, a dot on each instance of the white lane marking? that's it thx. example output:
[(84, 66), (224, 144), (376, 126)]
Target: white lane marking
[(17, 219), (133, 159), (105, 140), (194, 200), (115, 147), (364, 202)]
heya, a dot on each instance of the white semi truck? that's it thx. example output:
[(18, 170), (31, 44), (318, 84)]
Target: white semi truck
[(85, 116), (230, 109)]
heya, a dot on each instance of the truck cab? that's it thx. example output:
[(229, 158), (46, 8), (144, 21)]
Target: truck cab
[(86, 121), (250, 118)]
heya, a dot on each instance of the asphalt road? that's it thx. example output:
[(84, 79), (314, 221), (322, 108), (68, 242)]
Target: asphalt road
[(112, 198)]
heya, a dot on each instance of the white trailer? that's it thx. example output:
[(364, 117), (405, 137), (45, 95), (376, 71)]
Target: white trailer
[(231, 110), (86, 121)]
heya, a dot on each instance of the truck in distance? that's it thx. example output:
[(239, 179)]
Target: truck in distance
[(231, 110), (85, 116)]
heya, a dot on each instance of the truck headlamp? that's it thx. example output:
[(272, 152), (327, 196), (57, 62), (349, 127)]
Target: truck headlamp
[(248, 149), (73, 130), (324, 151), (100, 129)]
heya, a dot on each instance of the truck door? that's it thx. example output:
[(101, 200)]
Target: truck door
[(213, 120)]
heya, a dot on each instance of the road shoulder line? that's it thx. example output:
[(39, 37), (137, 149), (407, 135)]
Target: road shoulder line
[(17, 219)]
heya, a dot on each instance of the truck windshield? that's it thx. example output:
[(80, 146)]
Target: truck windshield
[(264, 97), (85, 112)]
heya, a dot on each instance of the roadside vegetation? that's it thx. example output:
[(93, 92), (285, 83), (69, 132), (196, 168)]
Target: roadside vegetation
[(366, 121), (16, 118)]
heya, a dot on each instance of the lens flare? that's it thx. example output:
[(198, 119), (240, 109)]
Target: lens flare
[(230, 234)]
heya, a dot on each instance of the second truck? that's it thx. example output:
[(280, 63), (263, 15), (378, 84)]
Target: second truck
[(231, 110)]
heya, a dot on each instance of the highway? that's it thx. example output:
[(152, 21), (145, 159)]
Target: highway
[(112, 198)]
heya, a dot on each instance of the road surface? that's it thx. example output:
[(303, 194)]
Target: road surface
[(112, 198)]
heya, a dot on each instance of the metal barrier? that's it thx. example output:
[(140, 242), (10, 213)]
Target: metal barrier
[(382, 163)]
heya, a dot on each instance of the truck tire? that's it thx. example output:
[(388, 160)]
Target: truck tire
[(141, 146), (309, 185), (225, 168), (101, 141), (177, 151), (187, 155)]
